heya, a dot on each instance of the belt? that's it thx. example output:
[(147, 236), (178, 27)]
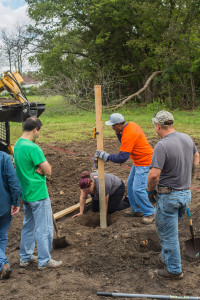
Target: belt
[(167, 190)]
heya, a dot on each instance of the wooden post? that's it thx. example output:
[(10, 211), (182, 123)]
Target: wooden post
[(99, 129)]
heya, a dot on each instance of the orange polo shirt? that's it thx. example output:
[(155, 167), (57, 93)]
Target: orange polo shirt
[(135, 142)]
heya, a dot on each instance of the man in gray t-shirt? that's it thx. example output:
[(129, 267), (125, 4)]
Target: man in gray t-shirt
[(174, 156), (171, 171)]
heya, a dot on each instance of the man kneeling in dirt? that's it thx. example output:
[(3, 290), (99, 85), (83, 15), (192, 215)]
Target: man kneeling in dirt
[(171, 171), (114, 189), (32, 168)]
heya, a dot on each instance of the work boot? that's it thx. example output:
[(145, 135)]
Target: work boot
[(148, 219), (167, 275), (6, 271), (133, 214), (51, 264), (27, 263)]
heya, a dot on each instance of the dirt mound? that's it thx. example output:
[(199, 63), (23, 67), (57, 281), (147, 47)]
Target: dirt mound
[(121, 258)]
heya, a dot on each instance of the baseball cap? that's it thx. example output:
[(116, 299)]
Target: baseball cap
[(115, 119), (163, 117)]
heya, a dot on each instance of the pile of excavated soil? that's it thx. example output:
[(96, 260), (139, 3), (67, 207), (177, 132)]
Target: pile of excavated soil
[(121, 258)]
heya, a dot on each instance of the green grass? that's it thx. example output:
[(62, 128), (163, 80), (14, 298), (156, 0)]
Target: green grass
[(65, 124)]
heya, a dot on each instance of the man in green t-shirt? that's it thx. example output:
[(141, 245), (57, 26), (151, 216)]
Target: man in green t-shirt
[(32, 168)]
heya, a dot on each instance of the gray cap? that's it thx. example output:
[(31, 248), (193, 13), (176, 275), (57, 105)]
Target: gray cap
[(163, 117), (115, 119)]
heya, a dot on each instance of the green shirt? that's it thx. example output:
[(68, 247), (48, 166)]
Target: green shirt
[(28, 156)]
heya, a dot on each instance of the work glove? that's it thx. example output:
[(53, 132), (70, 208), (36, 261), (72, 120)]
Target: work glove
[(95, 160), (102, 154), (152, 196)]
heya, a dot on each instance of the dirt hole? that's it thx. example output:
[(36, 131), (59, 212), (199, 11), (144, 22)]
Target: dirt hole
[(93, 220)]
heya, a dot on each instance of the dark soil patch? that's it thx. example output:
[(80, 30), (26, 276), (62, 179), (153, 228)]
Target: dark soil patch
[(120, 258)]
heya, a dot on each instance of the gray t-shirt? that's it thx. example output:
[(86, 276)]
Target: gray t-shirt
[(112, 183), (174, 156)]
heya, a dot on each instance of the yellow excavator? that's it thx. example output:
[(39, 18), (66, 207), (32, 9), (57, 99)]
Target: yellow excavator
[(15, 108)]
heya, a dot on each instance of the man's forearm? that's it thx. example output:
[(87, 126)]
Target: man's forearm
[(195, 164), (153, 179), (194, 170), (152, 184), (119, 158)]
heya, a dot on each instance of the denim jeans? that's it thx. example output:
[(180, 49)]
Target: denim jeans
[(136, 185), (5, 221), (37, 226), (169, 210)]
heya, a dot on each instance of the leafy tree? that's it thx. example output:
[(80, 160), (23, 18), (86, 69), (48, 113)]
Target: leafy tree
[(129, 40)]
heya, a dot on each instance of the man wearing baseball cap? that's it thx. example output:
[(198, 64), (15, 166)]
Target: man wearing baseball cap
[(134, 145), (170, 173)]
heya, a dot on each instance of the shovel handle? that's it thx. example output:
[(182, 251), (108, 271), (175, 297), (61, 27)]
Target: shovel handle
[(190, 223), (55, 226), (188, 212)]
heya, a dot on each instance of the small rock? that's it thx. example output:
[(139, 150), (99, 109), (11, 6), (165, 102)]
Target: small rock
[(126, 235), (106, 233), (134, 224), (78, 234)]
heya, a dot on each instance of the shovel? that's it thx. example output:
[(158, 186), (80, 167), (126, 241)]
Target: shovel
[(193, 245), (59, 241)]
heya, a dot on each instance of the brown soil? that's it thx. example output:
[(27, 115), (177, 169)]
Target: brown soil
[(121, 258)]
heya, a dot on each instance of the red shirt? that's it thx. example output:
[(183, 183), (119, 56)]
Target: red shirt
[(135, 142)]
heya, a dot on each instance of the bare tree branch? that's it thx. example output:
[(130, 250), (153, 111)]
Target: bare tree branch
[(138, 92)]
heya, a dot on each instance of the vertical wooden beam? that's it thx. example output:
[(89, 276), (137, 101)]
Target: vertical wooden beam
[(99, 129)]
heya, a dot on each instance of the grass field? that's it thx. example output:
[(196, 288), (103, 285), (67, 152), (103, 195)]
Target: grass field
[(65, 124)]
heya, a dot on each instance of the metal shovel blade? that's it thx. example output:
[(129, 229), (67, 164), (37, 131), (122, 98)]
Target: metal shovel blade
[(193, 247), (60, 242)]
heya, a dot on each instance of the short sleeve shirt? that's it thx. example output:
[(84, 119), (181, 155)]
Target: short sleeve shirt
[(112, 183), (135, 142), (173, 155), (28, 156)]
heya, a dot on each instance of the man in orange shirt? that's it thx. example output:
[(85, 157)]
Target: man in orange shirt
[(134, 144)]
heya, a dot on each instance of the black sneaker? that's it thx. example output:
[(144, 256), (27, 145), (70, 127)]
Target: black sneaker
[(167, 275)]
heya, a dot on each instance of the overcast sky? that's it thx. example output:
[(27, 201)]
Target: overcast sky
[(12, 13)]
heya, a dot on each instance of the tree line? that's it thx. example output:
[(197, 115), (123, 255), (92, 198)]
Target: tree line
[(119, 44)]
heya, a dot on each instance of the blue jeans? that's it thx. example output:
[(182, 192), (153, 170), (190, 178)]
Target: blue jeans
[(5, 221), (37, 226), (169, 210), (136, 185)]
